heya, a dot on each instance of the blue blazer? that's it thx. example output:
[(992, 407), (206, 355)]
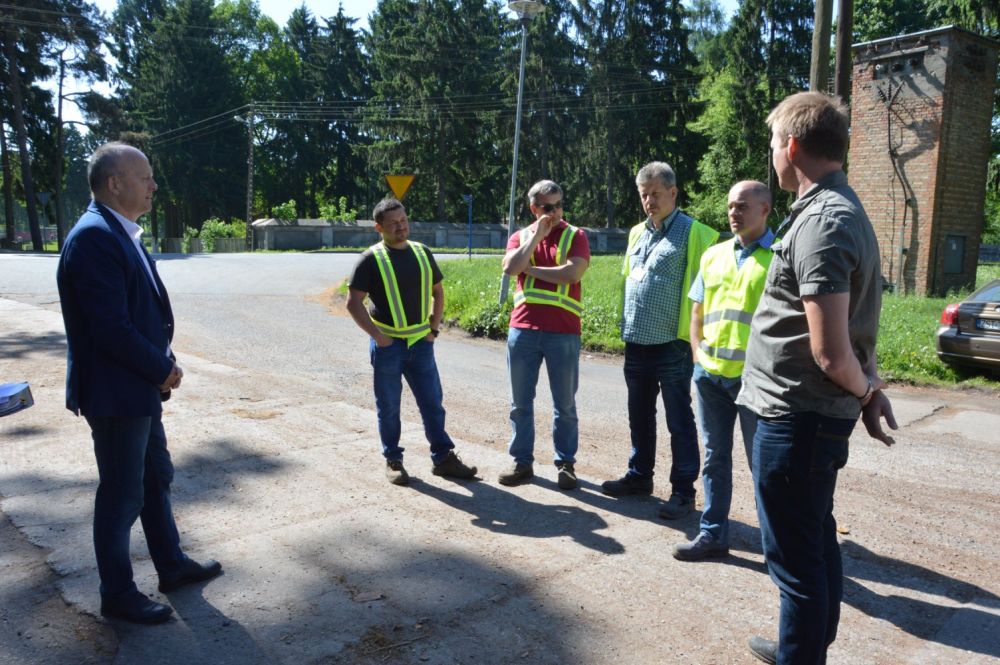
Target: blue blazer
[(118, 328)]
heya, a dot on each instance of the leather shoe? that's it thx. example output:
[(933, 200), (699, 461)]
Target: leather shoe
[(190, 572), (763, 649), (628, 484), (676, 507), (704, 546), (137, 608)]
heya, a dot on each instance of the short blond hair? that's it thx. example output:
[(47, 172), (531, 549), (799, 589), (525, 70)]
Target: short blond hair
[(818, 121)]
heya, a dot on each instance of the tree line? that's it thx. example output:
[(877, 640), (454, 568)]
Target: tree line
[(429, 88)]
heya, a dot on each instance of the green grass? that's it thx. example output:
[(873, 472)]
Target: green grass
[(472, 288), (986, 273), (906, 347), (907, 344)]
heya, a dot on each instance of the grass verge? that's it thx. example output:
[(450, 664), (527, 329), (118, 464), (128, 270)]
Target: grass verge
[(906, 347)]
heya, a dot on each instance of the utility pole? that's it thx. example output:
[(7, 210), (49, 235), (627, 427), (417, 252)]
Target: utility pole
[(819, 66), (249, 236), (60, 154), (845, 31)]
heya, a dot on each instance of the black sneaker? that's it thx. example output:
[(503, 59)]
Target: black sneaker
[(567, 476), (704, 546), (628, 484), (452, 467), (676, 507), (765, 650), (516, 475), (395, 472)]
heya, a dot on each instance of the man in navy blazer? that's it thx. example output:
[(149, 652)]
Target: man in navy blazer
[(119, 369)]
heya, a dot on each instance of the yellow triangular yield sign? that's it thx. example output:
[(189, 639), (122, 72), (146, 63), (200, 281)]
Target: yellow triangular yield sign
[(399, 184)]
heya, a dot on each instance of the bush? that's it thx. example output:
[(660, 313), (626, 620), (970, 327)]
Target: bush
[(216, 228), (337, 212), (285, 212), (186, 240)]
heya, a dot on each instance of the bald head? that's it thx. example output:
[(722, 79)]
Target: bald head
[(121, 178), (107, 161), (749, 206)]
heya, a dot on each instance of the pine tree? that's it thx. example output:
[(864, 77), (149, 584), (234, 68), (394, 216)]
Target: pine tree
[(434, 77), (184, 79)]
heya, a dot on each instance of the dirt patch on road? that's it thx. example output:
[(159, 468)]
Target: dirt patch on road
[(332, 299)]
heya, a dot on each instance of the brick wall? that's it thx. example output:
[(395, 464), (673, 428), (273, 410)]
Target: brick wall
[(921, 107)]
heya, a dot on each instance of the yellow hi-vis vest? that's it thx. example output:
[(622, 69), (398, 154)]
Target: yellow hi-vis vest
[(401, 328), (731, 297), (558, 298)]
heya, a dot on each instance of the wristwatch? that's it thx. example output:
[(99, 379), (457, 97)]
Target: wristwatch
[(435, 332)]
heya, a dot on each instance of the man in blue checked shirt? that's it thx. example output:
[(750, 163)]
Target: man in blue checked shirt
[(661, 261)]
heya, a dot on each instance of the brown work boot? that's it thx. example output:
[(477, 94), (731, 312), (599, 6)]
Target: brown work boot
[(395, 472), (452, 467), (517, 475)]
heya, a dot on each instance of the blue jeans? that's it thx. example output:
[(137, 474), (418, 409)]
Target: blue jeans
[(662, 369), (795, 464), (526, 349), (416, 363), (135, 473), (717, 412)]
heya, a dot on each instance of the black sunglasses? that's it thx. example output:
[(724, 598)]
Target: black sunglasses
[(549, 207)]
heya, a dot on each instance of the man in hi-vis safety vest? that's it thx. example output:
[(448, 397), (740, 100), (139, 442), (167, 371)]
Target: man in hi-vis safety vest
[(661, 262), (725, 294), (548, 258), (403, 285)]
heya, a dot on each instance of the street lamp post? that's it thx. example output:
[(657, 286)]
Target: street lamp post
[(525, 10)]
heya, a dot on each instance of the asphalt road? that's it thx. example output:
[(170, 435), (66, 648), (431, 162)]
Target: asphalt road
[(275, 312), (278, 476)]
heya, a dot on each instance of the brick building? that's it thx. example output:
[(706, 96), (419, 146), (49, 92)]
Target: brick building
[(921, 107)]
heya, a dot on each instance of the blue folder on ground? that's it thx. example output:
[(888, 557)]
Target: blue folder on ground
[(14, 397)]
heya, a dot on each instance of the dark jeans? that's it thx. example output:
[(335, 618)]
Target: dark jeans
[(416, 363), (135, 475), (662, 369), (795, 464)]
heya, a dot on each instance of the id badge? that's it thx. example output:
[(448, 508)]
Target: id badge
[(637, 273)]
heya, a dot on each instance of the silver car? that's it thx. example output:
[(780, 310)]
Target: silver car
[(970, 330)]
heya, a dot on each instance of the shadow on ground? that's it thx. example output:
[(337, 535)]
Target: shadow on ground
[(505, 512), (15, 346), (968, 628)]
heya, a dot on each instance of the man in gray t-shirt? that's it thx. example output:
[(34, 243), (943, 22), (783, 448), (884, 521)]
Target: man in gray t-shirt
[(811, 371)]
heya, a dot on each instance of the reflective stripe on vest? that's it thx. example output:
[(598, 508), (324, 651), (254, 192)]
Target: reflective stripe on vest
[(558, 298), (400, 327), (731, 297)]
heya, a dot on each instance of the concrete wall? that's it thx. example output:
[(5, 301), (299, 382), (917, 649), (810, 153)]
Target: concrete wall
[(313, 234), (921, 109)]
